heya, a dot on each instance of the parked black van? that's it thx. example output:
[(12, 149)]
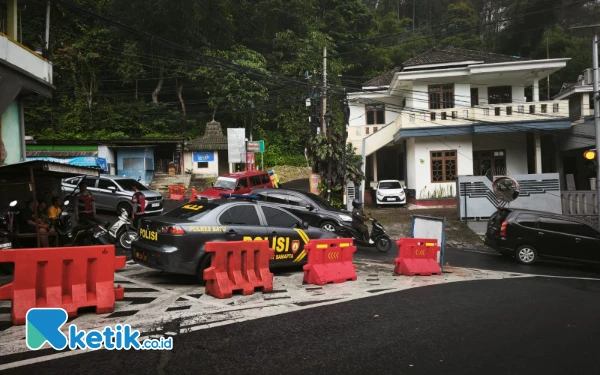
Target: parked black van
[(529, 235)]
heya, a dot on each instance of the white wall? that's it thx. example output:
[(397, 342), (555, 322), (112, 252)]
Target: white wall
[(462, 95), (514, 144), (482, 93), (108, 154), (518, 93), (420, 95), (18, 55), (420, 167), (211, 171)]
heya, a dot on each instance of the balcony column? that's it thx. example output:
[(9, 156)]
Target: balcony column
[(374, 158), (538, 152), (536, 91), (12, 20)]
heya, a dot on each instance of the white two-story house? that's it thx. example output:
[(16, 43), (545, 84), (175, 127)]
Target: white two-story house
[(23, 73), (451, 112)]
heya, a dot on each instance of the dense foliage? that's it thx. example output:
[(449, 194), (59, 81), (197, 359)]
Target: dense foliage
[(179, 63)]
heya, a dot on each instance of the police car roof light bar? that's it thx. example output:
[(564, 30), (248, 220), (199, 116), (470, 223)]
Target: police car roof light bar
[(240, 196)]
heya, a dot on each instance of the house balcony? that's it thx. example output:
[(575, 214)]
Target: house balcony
[(491, 118), (24, 60)]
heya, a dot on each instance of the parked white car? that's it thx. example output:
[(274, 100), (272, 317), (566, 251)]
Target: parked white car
[(390, 192)]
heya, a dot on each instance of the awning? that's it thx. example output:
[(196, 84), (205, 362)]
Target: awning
[(45, 169), (59, 154)]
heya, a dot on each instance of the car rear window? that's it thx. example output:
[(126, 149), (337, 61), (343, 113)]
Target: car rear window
[(191, 211)]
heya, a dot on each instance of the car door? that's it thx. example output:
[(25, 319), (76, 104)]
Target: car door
[(255, 182), (552, 240), (286, 235), (105, 197), (297, 205), (586, 241), (242, 184), (242, 223)]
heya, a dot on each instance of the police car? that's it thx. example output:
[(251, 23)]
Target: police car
[(175, 241)]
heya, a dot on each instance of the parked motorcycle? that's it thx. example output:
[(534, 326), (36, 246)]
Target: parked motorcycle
[(8, 226), (381, 241), (122, 233), (85, 233)]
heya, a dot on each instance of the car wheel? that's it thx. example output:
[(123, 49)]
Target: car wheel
[(328, 226), (526, 254), (204, 264), (124, 206)]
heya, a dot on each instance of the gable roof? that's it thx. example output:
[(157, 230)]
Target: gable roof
[(441, 56), (212, 140), (452, 55)]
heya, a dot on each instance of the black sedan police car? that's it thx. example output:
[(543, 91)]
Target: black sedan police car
[(175, 241)]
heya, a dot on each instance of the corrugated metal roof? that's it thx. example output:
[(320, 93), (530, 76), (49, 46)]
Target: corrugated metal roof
[(61, 154)]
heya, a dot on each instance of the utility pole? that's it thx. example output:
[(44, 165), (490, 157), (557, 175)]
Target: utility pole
[(596, 95), (330, 161), (548, 57), (346, 123), (414, 4), (324, 93)]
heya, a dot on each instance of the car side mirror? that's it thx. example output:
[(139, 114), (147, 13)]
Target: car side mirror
[(238, 187), (309, 207), (305, 225), (112, 189)]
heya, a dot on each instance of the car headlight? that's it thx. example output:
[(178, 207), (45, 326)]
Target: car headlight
[(379, 194), (345, 217)]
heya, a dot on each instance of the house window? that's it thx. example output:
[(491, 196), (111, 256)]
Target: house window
[(532, 109), (590, 102), (443, 166), (441, 96), (375, 114), (474, 97), (555, 107), (544, 108), (484, 161), (202, 165), (499, 94), (508, 111)]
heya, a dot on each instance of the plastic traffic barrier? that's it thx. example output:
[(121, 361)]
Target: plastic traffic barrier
[(238, 266), (417, 256), (177, 192), (62, 277), (329, 261), (193, 195)]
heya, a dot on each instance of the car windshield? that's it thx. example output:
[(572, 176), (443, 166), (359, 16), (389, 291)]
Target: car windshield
[(224, 183), (320, 201), (390, 185), (191, 211), (128, 185)]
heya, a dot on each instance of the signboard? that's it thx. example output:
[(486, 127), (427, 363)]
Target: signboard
[(255, 146), (81, 161), (431, 227), (103, 164), (315, 179), (203, 157), (236, 145)]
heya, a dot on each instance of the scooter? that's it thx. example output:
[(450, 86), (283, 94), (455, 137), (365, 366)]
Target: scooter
[(85, 233), (381, 241), (121, 232), (8, 226)]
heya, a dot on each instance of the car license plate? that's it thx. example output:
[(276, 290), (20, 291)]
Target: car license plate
[(390, 199), (141, 255), (7, 245), (155, 205)]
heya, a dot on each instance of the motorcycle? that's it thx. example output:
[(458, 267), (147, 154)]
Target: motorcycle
[(121, 232), (381, 241), (8, 226), (85, 233)]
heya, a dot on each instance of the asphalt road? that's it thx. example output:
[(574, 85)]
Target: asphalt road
[(515, 326)]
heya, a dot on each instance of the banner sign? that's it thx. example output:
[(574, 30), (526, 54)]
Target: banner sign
[(236, 145), (255, 146), (202, 157), (81, 161), (103, 164)]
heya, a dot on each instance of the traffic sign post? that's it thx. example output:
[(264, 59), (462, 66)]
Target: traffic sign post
[(257, 146)]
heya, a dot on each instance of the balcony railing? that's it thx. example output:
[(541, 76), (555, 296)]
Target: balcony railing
[(507, 112), (22, 57)]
